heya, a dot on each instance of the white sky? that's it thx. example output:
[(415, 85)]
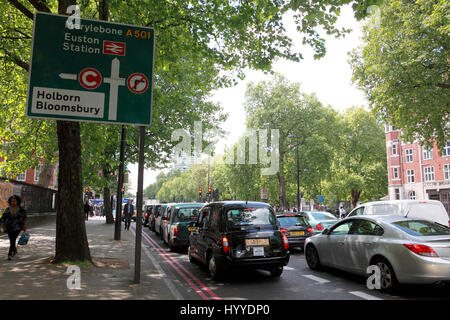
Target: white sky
[(329, 78)]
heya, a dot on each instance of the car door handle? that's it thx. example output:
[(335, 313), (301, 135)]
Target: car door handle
[(341, 243)]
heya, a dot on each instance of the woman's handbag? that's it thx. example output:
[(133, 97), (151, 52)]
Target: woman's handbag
[(23, 240)]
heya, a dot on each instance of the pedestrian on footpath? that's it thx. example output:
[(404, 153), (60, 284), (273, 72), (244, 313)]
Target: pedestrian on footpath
[(342, 213), (13, 221), (128, 214), (87, 209)]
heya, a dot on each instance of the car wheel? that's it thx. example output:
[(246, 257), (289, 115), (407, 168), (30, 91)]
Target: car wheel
[(388, 281), (312, 258), (214, 270), (276, 272)]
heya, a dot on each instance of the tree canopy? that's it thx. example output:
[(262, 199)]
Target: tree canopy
[(403, 67)]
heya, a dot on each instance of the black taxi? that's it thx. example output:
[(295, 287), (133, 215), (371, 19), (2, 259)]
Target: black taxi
[(238, 234)]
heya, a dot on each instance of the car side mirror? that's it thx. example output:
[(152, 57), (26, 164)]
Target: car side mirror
[(325, 232)]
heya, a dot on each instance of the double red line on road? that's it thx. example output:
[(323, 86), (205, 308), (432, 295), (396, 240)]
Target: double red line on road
[(182, 271)]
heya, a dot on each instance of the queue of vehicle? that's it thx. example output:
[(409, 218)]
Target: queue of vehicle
[(229, 235)]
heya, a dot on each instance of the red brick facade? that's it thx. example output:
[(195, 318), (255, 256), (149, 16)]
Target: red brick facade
[(415, 172)]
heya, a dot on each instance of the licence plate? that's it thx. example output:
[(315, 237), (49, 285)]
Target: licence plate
[(192, 228), (258, 251), (257, 242), (297, 233)]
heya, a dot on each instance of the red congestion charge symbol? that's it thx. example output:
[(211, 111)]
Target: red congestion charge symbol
[(137, 83), (90, 78)]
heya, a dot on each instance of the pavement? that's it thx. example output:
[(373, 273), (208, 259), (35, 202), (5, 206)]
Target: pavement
[(30, 275)]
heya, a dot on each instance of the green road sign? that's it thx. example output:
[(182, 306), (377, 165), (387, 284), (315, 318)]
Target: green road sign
[(101, 72)]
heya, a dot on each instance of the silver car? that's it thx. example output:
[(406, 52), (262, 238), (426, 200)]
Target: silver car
[(406, 250)]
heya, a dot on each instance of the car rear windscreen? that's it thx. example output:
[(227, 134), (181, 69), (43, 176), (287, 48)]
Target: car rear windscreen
[(322, 216), (420, 228), (287, 221), (186, 214), (251, 216)]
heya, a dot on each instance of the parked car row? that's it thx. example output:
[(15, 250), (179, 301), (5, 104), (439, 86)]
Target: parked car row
[(229, 235), (238, 234)]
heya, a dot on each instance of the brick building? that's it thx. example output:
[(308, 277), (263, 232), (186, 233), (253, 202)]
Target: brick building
[(416, 172), (31, 176)]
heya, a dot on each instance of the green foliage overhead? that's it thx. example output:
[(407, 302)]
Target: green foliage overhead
[(403, 67)]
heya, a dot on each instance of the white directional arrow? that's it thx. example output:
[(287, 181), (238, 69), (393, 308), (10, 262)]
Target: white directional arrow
[(68, 76), (114, 81)]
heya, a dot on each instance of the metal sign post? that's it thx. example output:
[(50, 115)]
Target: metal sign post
[(137, 261)]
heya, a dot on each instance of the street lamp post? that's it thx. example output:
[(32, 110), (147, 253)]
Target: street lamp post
[(298, 170)]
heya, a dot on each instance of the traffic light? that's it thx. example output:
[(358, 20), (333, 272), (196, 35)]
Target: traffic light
[(209, 189), (200, 191), (86, 189), (123, 188)]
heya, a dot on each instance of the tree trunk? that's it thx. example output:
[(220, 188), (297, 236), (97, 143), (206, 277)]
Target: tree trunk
[(107, 205), (355, 197), (71, 237)]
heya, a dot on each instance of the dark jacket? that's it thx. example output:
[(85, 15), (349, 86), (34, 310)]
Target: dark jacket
[(13, 222), (125, 211)]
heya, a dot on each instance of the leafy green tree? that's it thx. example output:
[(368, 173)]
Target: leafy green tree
[(359, 162), (403, 67), (303, 124)]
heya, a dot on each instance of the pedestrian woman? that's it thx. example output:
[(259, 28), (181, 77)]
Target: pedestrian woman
[(13, 220)]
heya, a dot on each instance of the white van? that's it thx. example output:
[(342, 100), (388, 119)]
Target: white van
[(432, 210)]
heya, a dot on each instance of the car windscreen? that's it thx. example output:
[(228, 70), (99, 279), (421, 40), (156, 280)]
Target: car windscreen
[(251, 216), (421, 228), (287, 221), (322, 216), (186, 214)]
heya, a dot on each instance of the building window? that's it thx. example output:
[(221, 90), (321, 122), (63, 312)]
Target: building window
[(395, 173), (446, 150), (429, 173), (410, 175), (446, 171), (394, 149), (37, 172), (427, 153), (412, 195), (409, 155), (21, 176), (397, 194)]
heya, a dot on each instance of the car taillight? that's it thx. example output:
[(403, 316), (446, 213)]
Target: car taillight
[(225, 245), (310, 230), (421, 249), (319, 227), (285, 242), (283, 230), (175, 230)]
